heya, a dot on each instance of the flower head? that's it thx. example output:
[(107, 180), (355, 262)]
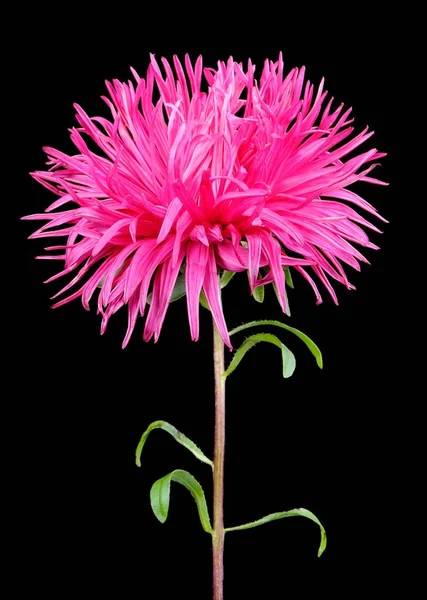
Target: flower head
[(245, 176)]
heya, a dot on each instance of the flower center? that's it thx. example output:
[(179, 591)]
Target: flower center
[(207, 233)]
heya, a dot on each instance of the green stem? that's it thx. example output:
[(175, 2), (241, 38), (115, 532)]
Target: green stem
[(218, 476)]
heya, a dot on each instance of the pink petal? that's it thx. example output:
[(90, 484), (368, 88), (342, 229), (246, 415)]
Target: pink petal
[(163, 285), (212, 292), (196, 262), (254, 248)]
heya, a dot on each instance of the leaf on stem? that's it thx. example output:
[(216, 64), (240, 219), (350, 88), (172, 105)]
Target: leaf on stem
[(203, 300), (177, 435), (288, 308), (314, 349), (288, 277), (296, 512), (259, 293), (288, 359), (226, 278), (177, 292), (160, 496)]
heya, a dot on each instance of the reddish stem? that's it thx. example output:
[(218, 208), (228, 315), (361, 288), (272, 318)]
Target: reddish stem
[(218, 476)]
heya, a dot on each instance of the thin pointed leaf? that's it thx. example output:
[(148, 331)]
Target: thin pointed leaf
[(226, 278), (288, 359), (288, 309), (177, 292), (314, 349), (288, 277), (296, 512), (259, 294), (179, 288), (203, 300), (101, 283), (177, 435), (160, 496)]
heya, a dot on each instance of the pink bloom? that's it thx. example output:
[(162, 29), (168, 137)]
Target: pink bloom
[(245, 176)]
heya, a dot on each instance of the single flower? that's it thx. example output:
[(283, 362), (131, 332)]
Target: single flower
[(229, 174)]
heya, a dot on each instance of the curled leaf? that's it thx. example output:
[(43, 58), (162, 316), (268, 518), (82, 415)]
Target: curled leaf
[(296, 512), (314, 349), (177, 435), (259, 293), (160, 496), (288, 359)]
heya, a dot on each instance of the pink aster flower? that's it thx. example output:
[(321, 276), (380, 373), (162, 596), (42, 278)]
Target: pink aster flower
[(245, 176)]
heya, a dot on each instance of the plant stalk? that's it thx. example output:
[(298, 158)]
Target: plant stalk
[(218, 475)]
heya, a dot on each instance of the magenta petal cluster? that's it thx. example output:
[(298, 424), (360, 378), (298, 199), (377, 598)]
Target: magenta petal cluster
[(206, 170)]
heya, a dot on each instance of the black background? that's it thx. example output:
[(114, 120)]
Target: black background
[(329, 440)]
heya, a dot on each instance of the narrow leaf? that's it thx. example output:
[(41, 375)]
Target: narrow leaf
[(288, 277), (314, 349), (259, 293), (177, 292), (288, 359), (288, 309), (226, 278), (296, 512), (203, 300), (177, 435), (160, 496), (101, 283)]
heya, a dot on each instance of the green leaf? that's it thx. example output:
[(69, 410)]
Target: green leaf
[(101, 283), (288, 310), (288, 359), (288, 277), (177, 292), (226, 278), (259, 293), (177, 435), (296, 512), (203, 300), (160, 496), (314, 349)]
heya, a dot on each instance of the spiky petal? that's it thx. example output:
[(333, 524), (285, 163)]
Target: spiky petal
[(248, 176)]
